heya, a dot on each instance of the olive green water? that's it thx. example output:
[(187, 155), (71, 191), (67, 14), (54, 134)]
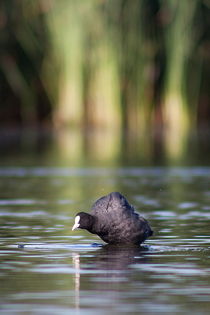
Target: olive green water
[(58, 271)]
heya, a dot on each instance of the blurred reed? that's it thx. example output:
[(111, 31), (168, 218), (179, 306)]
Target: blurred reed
[(125, 65)]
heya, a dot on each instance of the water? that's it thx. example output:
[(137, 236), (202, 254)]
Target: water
[(48, 269)]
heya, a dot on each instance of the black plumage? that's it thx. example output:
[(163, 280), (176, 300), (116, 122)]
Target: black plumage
[(115, 221)]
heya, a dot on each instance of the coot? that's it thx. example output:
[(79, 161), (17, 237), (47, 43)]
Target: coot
[(114, 220)]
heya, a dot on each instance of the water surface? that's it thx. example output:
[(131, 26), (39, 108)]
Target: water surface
[(57, 271)]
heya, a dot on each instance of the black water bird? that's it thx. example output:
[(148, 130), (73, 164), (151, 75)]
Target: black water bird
[(115, 221)]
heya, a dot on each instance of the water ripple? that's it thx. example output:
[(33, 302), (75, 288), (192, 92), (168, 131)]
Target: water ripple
[(182, 172)]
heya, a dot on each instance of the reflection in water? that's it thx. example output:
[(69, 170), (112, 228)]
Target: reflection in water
[(111, 262), (102, 147), (119, 258), (76, 264)]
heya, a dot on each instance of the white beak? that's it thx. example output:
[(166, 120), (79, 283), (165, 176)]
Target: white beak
[(76, 223)]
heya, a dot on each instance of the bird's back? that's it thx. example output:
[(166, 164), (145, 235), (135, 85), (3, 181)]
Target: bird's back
[(117, 222)]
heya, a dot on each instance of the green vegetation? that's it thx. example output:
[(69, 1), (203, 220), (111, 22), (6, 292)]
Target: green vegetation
[(125, 65)]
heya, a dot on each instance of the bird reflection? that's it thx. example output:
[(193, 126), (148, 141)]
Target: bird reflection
[(76, 264), (112, 266), (119, 258)]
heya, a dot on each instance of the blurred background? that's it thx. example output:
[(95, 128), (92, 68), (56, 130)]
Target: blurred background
[(104, 83)]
